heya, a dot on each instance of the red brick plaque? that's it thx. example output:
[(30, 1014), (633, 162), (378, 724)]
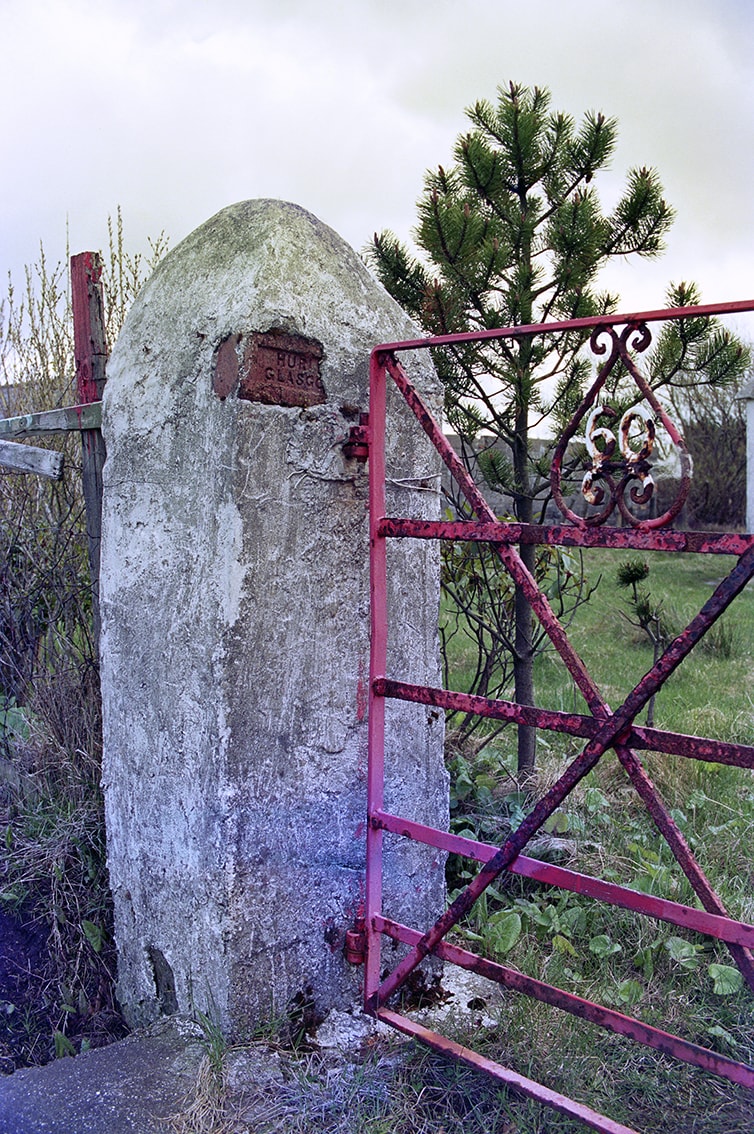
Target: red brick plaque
[(277, 368), (282, 370)]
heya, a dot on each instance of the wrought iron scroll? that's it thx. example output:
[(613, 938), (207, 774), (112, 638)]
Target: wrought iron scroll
[(620, 475)]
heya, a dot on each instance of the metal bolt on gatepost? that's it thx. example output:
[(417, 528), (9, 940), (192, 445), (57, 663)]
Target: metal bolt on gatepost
[(355, 948)]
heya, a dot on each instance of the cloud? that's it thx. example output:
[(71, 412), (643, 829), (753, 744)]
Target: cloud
[(175, 108)]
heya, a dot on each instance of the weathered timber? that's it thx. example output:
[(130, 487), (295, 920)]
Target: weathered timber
[(90, 350), (48, 422), (29, 459)]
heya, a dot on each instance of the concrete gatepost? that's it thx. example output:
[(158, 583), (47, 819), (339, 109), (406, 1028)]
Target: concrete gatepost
[(235, 625)]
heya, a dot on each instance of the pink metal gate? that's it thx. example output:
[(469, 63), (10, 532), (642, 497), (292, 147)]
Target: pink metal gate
[(606, 485)]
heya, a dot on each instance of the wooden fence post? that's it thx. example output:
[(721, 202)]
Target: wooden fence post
[(90, 349)]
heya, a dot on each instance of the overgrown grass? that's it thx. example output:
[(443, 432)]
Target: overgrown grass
[(54, 880), (53, 874)]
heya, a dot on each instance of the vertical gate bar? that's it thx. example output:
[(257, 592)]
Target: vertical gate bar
[(90, 351), (377, 667)]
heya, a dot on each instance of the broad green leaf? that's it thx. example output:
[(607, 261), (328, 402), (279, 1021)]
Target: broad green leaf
[(683, 952), (503, 931), (629, 992), (563, 945), (602, 946), (726, 980), (574, 920), (557, 824)]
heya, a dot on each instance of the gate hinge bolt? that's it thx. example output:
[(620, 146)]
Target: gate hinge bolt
[(355, 948), (357, 445)]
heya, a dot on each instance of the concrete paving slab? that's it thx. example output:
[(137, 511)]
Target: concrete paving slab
[(126, 1088)]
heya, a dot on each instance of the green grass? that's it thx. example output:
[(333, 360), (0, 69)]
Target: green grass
[(711, 688), (680, 982)]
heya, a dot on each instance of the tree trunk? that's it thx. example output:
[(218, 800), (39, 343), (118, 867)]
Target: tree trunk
[(523, 660), (523, 672)]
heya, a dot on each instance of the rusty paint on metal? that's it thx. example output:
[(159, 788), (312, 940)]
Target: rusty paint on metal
[(378, 629), (90, 346), (687, 917), (355, 948), (283, 370), (508, 555), (90, 352), (588, 323), (609, 481), (615, 485), (504, 1075), (356, 447), (573, 724), (613, 731), (560, 535), (608, 1018)]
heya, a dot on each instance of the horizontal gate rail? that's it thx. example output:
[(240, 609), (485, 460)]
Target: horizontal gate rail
[(603, 729), (608, 1018), (704, 543), (688, 917), (669, 743), (504, 1075)]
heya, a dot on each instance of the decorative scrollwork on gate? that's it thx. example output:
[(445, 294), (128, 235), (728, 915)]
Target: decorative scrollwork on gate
[(620, 475)]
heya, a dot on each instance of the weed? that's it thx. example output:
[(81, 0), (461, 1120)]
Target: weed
[(51, 813)]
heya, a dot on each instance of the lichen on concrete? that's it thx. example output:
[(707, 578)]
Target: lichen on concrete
[(235, 610)]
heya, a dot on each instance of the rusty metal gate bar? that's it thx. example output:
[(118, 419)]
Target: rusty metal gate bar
[(603, 730)]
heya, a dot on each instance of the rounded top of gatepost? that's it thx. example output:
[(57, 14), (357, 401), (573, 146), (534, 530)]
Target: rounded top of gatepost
[(267, 261), (260, 266)]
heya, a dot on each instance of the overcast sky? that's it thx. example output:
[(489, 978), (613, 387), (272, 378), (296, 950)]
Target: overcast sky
[(173, 109)]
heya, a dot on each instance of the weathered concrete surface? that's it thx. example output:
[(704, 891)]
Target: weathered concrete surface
[(234, 598), (127, 1088)]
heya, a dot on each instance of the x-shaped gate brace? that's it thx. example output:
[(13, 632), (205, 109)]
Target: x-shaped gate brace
[(606, 486)]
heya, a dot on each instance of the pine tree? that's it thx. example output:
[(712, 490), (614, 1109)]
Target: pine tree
[(514, 234)]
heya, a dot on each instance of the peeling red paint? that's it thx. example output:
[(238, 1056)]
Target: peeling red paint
[(362, 694), (601, 729)]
